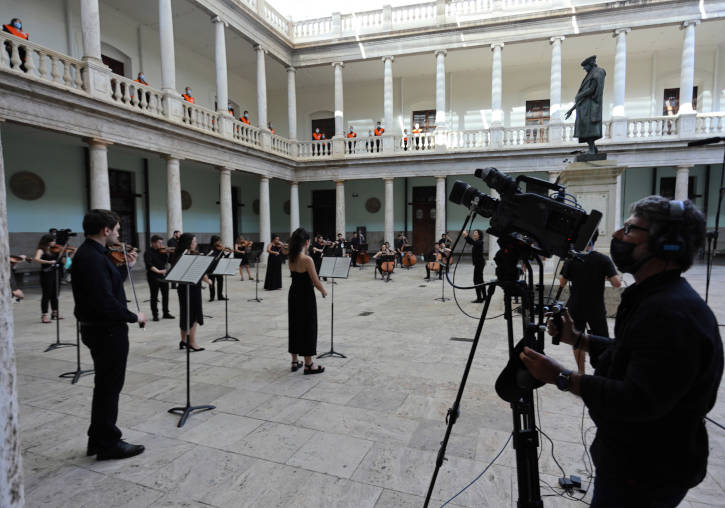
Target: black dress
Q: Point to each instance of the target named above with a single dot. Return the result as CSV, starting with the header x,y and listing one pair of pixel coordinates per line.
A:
x,y
302,312
243,256
197,315
273,278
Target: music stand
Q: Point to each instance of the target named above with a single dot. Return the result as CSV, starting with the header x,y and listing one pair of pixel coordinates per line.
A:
x,y
363,248
256,247
57,344
78,373
225,268
334,268
189,270
444,267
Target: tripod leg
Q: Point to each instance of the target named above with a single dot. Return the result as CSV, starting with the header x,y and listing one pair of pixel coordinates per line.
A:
x,y
454,411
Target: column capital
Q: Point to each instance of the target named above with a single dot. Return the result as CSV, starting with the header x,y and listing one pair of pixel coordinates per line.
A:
x,y
443,52
440,177
258,48
557,38
689,22
97,142
339,182
294,184
170,157
386,58
224,169
291,69
685,166
264,179
388,178
338,64
620,31
217,19
495,45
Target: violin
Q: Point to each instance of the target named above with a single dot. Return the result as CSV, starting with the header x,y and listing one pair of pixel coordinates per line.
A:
x,y
220,248
167,250
18,259
117,255
285,249
57,249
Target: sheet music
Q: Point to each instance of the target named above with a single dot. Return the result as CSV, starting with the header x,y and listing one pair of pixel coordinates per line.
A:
x,y
227,266
336,268
189,269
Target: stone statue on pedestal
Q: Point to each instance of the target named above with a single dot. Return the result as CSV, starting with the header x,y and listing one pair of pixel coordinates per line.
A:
x,y
588,105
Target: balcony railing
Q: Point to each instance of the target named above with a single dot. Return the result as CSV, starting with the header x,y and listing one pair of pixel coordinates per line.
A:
x,y
22,58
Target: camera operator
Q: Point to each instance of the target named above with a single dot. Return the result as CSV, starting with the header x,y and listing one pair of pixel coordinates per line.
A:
x,y
657,379
586,298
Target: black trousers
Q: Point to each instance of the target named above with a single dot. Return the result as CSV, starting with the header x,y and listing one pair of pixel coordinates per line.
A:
x,y
478,279
217,281
596,324
49,287
157,285
109,350
427,272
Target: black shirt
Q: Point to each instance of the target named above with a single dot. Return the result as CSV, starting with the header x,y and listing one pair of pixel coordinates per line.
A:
x,y
98,287
587,277
654,383
399,244
476,251
172,242
152,257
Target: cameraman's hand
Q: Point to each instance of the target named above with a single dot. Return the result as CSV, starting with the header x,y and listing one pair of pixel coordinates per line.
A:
x,y
541,366
567,333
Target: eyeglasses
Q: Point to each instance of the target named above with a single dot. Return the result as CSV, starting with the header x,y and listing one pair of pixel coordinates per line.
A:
x,y
627,228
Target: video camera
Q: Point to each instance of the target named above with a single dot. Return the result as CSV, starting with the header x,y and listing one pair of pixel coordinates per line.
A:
x,y
550,225
62,235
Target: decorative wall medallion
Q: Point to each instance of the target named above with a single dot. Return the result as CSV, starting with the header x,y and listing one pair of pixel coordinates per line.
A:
x,y
433,213
185,200
372,205
419,213
26,185
286,207
255,206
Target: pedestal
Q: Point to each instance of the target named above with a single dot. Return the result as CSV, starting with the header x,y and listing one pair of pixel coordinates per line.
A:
x,y
173,109
98,80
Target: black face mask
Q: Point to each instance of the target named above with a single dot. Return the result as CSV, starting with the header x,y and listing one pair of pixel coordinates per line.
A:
x,y
621,253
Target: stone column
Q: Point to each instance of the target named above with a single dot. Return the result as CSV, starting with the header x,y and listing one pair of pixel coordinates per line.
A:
x,y
168,60
100,188
496,102
555,129
440,206
173,196
619,121
292,102
441,89
261,88
339,102
340,207
91,30
11,467
389,232
220,56
687,69
294,206
265,233
226,223
388,93
682,181
716,80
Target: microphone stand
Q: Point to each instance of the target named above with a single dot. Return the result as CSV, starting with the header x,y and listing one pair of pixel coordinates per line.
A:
x,y
78,373
133,287
256,281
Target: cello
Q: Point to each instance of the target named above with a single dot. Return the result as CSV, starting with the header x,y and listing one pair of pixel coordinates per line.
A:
x,y
435,265
409,259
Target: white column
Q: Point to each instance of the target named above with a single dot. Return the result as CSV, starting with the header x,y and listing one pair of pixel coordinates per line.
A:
x,y
339,102
226,222
682,181
496,85
261,88
340,207
220,54
91,30
388,93
620,72
687,69
441,89
265,233
440,206
11,467
294,206
292,102
168,60
100,189
389,232
716,80
555,80
173,196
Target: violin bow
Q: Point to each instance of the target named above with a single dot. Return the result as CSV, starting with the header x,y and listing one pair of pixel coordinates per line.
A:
x,y
133,288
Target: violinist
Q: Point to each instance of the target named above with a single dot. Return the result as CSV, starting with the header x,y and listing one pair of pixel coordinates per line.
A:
x,y
400,243
187,245
445,245
217,250
385,250
434,263
317,247
156,259
354,247
49,256
339,245
100,307
273,277
479,262
241,251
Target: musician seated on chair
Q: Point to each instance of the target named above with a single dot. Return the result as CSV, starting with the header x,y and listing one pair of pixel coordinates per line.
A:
x,y
385,250
435,262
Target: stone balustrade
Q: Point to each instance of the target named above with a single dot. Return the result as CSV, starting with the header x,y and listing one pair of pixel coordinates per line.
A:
x,y
200,117
468,140
127,93
710,124
529,135
280,145
314,149
655,127
246,134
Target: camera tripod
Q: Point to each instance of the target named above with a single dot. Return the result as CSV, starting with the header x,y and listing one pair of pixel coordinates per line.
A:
x,y
516,384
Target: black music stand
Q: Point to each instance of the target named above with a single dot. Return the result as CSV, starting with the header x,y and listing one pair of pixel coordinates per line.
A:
x,y
362,248
444,268
57,344
78,373
334,268
189,270
257,249
225,268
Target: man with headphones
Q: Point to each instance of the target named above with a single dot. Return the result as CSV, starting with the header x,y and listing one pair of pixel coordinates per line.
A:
x,y
655,381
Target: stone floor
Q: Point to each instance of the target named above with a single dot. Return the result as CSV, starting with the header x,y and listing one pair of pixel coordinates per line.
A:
x,y
363,434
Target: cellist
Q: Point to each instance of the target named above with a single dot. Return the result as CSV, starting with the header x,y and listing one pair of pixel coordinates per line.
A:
x,y
385,250
435,262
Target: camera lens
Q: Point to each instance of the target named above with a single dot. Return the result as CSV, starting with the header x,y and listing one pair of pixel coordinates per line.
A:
x,y
497,180
464,194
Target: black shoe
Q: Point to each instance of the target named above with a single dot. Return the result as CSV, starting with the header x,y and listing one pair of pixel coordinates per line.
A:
x,y
477,300
426,278
92,449
182,344
168,316
222,299
211,299
195,349
156,318
121,450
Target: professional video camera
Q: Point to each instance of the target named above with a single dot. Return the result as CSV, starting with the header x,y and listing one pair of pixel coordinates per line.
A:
x,y
62,235
549,224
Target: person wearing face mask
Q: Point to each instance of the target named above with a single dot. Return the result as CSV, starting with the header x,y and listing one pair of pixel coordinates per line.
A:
x,y
187,95
351,145
141,78
15,27
317,136
655,381
245,117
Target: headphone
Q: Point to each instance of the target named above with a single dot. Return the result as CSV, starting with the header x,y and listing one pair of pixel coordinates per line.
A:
x,y
668,244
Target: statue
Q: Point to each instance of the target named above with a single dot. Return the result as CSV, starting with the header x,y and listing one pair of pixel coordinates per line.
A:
x,y
588,105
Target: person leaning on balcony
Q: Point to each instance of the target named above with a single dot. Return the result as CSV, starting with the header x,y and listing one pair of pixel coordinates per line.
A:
x,y
230,109
15,27
405,139
378,132
324,145
187,95
351,144
141,78
270,128
416,134
317,136
245,117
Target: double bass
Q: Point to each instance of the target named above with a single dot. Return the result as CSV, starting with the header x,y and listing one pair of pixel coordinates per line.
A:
x,y
409,259
435,265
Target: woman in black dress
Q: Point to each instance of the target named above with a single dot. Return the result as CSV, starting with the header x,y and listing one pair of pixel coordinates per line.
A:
x,y
48,276
302,306
240,252
273,278
187,242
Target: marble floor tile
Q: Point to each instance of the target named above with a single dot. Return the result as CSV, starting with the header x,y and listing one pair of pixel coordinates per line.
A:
x,y
332,454
220,430
276,442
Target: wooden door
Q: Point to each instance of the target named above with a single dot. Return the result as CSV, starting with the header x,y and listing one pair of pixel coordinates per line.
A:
x,y
424,221
123,202
323,213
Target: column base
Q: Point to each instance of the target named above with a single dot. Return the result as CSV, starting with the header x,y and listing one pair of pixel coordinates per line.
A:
x,y
687,124
265,138
173,109
226,125
388,143
338,147
97,79
496,132
556,133
618,130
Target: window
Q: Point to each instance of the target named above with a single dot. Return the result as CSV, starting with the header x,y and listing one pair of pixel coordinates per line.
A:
x,y
426,119
667,188
537,113
117,67
671,101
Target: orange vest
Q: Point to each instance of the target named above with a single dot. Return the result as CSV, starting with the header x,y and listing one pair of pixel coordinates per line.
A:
x,y
379,132
188,98
417,131
17,33
351,135
245,120
271,130
317,136
140,81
